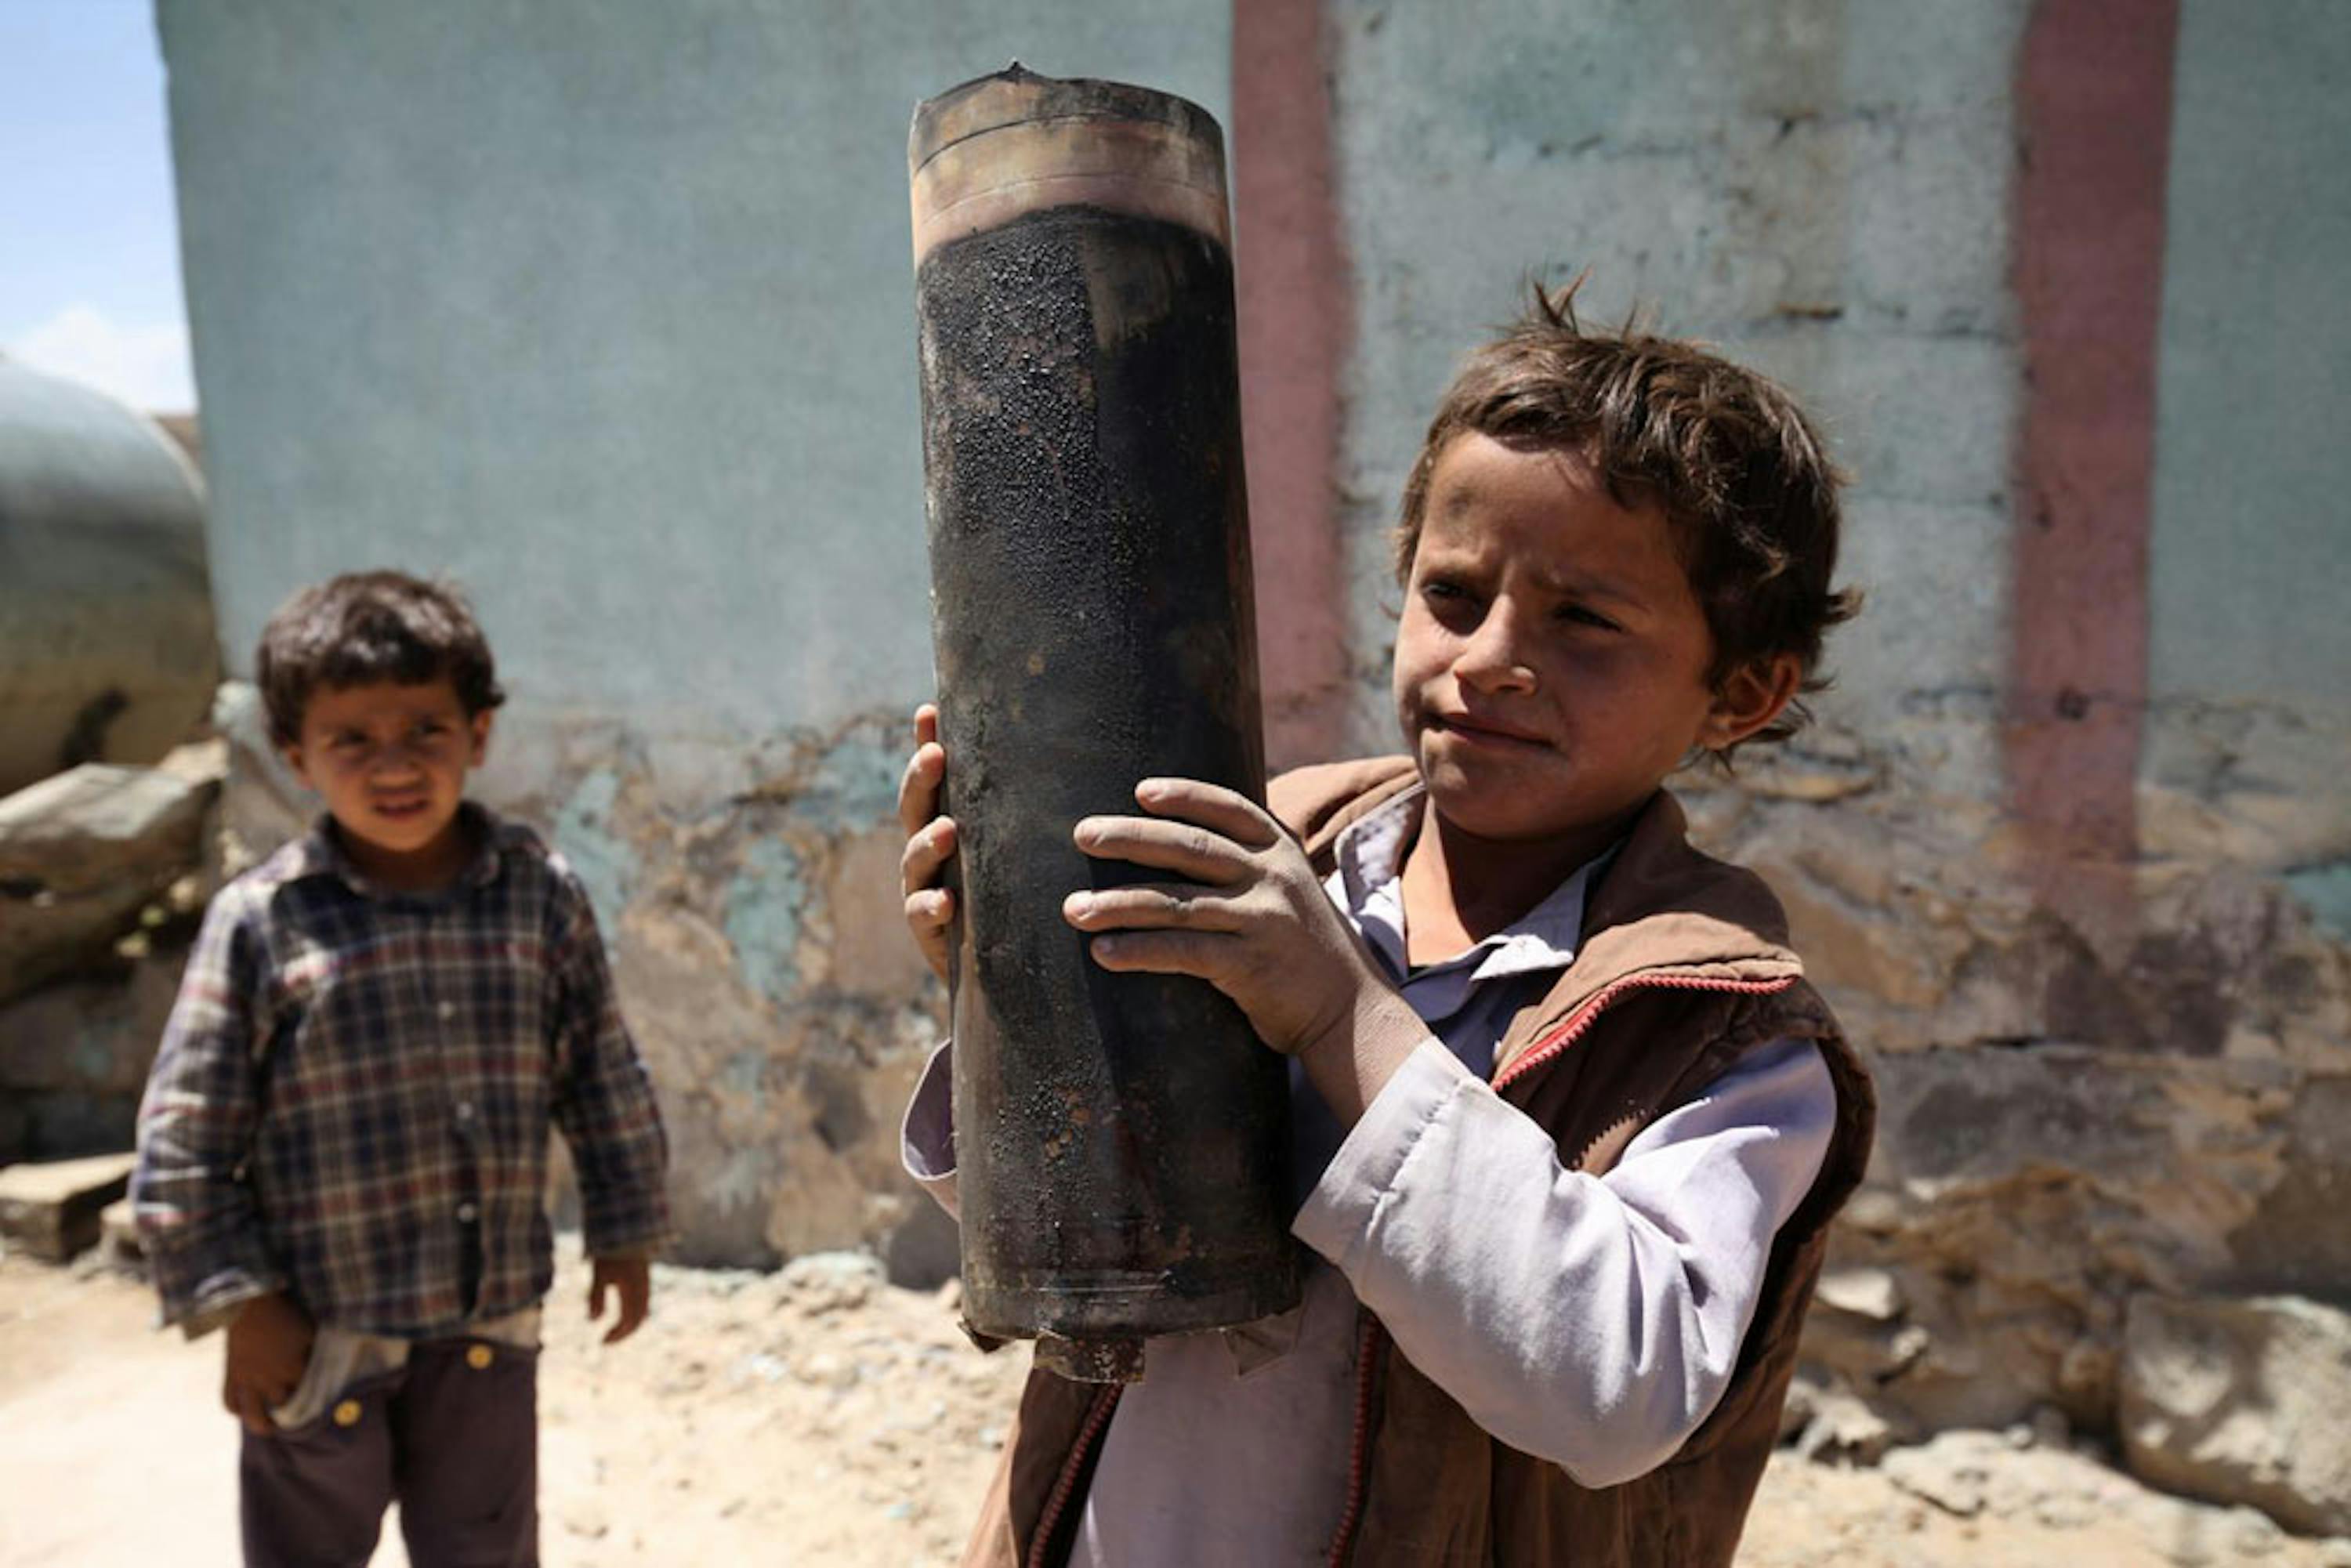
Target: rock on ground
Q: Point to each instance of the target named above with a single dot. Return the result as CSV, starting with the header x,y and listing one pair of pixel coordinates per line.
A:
x,y
51,1209
1987,1500
2243,1401
82,854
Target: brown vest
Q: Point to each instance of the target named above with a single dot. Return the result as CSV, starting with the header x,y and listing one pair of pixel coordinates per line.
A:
x,y
1684,967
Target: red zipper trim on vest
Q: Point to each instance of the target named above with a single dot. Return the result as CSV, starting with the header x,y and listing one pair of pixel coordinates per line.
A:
x,y
1543,1050
1568,1033
1367,1346
1097,1417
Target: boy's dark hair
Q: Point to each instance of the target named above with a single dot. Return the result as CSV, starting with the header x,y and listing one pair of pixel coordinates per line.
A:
x,y
369,626
1725,452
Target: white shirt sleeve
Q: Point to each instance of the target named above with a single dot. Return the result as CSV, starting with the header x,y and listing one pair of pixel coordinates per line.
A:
x,y
926,1137
1594,1321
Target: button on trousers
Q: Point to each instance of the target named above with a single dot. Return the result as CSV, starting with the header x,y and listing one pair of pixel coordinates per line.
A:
x,y
452,1436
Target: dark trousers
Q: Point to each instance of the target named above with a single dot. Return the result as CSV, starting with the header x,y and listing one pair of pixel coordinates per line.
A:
x,y
452,1435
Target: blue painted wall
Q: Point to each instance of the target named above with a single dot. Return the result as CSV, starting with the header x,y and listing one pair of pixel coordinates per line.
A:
x,y
2252,495
606,309
603,308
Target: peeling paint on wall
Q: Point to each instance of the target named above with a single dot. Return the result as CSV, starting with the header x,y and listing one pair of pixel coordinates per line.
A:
x,y
763,917
2325,892
847,780
604,861
748,893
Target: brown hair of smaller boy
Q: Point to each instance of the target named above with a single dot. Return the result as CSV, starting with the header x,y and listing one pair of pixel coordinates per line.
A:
x,y
369,626
1724,452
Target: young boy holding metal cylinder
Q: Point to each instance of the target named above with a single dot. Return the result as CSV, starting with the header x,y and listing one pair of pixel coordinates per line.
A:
x,y
1570,1123
342,1153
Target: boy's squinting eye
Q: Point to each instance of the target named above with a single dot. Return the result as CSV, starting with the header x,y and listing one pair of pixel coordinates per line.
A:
x,y
1445,590
1583,616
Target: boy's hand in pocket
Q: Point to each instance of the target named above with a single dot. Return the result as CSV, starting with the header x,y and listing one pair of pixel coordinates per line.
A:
x,y
268,1346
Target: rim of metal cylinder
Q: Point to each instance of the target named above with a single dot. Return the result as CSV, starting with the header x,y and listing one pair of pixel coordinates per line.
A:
x,y
1000,147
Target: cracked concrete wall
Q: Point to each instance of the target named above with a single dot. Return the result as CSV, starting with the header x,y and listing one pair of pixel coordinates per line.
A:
x,y
607,311
2076,1110
756,947
1821,190
746,891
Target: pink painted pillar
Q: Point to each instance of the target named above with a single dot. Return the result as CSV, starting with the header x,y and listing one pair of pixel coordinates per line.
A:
x,y
2094,103
1292,292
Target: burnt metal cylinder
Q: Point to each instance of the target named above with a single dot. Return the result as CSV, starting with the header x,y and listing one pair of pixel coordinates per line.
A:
x,y
1120,1139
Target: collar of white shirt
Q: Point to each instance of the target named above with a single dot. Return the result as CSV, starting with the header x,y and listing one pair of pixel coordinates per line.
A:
x,y
1367,883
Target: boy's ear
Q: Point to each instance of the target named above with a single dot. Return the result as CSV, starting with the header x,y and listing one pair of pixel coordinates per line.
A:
x,y
1750,697
480,726
293,758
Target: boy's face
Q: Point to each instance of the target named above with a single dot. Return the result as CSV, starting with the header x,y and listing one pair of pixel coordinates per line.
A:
x,y
1551,665
391,761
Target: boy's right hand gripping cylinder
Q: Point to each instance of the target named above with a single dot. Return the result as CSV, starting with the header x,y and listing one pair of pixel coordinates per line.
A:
x,y
1120,1139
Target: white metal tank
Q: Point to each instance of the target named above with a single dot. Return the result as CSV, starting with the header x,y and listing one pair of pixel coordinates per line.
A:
x,y
107,652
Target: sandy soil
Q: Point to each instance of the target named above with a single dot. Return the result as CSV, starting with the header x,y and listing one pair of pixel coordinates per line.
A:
x,y
820,1417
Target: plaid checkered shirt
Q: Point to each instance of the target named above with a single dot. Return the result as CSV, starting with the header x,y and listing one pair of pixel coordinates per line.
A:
x,y
352,1097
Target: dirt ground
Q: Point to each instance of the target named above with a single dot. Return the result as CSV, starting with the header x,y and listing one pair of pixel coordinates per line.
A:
x,y
818,1415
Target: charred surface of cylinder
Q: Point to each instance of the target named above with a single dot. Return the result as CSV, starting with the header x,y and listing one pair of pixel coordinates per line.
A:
x,y
1120,1139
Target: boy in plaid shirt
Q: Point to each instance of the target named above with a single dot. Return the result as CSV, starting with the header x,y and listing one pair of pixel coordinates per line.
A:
x,y
342,1151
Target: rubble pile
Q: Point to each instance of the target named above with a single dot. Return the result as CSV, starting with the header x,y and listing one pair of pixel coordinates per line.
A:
x,y
104,873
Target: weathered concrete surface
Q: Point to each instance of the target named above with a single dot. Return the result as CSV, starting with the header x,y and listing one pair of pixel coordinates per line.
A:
x,y
2250,571
748,896
2252,718
74,1053
83,852
1819,188
94,1035
2020,1197
646,386
265,804
2065,1121
2243,1401
51,1209
107,650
